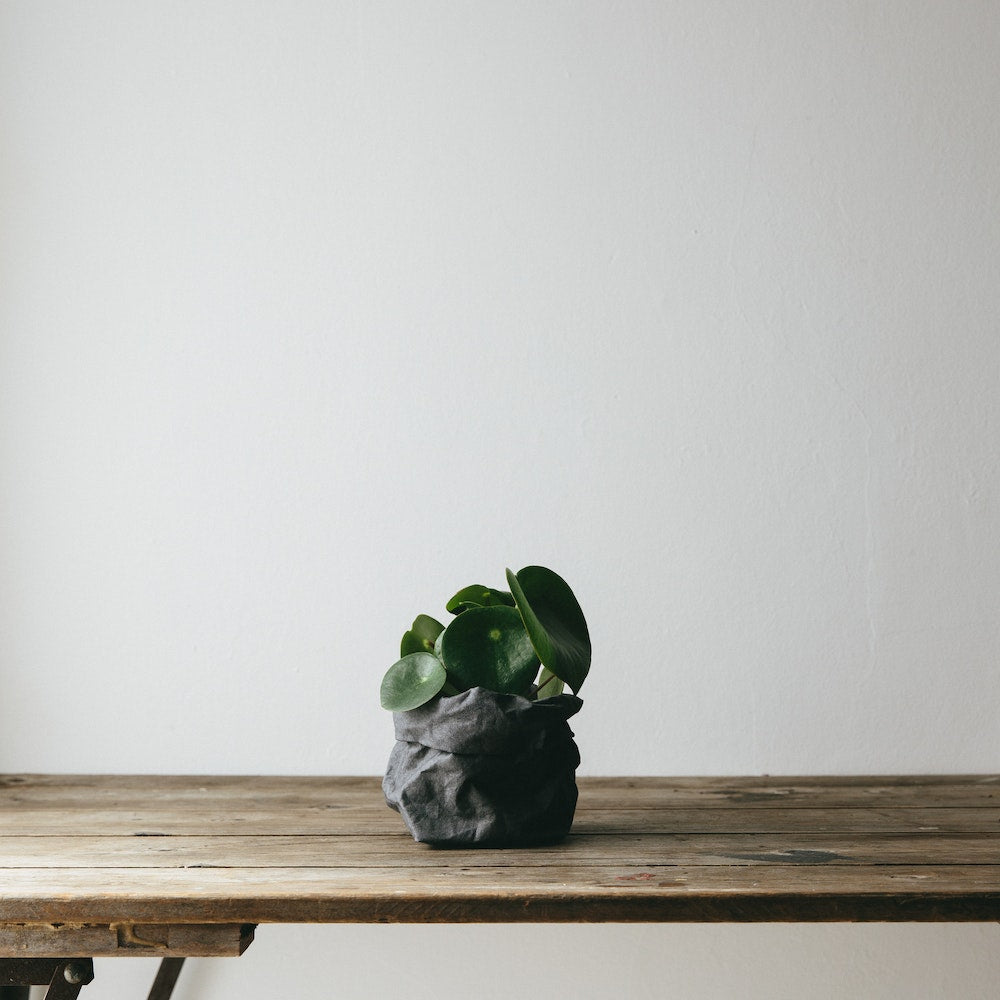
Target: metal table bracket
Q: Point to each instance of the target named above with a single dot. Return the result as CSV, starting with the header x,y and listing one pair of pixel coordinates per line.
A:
x,y
65,977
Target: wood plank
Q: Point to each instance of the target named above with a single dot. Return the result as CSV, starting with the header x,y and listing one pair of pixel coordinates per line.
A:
x,y
477,894
183,852
214,792
378,819
788,793
753,819
70,940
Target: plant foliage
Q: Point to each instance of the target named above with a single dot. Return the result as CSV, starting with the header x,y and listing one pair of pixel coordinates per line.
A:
x,y
531,641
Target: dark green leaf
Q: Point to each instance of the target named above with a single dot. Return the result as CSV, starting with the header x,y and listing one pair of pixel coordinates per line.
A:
x,y
488,647
478,596
412,681
554,622
421,635
453,685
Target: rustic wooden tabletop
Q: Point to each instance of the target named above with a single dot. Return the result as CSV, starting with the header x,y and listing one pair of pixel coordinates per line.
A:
x,y
103,865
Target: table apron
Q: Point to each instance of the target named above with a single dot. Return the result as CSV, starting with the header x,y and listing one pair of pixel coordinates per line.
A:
x,y
141,940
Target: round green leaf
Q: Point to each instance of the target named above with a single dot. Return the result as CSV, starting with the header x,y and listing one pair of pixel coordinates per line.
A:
x,y
412,681
421,635
488,647
554,622
478,596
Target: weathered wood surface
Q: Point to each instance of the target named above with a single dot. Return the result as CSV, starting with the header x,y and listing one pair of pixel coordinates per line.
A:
x,y
651,792
71,940
307,851
266,820
108,852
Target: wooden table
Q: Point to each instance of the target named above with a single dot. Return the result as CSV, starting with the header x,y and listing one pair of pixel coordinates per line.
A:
x,y
188,866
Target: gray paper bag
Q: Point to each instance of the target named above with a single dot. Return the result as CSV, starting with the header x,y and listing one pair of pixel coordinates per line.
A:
x,y
485,768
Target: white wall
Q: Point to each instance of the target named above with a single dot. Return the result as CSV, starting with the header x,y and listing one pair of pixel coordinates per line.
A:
x,y
313,312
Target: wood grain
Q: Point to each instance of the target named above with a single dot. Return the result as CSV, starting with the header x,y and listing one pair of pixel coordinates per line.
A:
x,y
70,940
102,852
398,851
562,893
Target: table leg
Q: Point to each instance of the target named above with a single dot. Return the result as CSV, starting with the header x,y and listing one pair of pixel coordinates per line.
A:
x,y
166,977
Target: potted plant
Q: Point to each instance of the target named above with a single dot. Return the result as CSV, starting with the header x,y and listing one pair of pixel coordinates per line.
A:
x,y
484,753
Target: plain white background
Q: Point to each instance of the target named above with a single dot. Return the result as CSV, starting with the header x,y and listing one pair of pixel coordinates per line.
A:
x,y
314,312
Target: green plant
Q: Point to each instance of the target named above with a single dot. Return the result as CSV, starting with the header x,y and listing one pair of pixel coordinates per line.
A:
x,y
531,640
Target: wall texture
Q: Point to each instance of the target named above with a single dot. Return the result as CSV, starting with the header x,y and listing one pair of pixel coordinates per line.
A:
x,y
313,312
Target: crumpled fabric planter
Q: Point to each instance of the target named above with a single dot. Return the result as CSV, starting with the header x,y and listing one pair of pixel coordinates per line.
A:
x,y
485,768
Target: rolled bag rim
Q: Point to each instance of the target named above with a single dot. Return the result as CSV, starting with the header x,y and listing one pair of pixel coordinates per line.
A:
x,y
504,720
